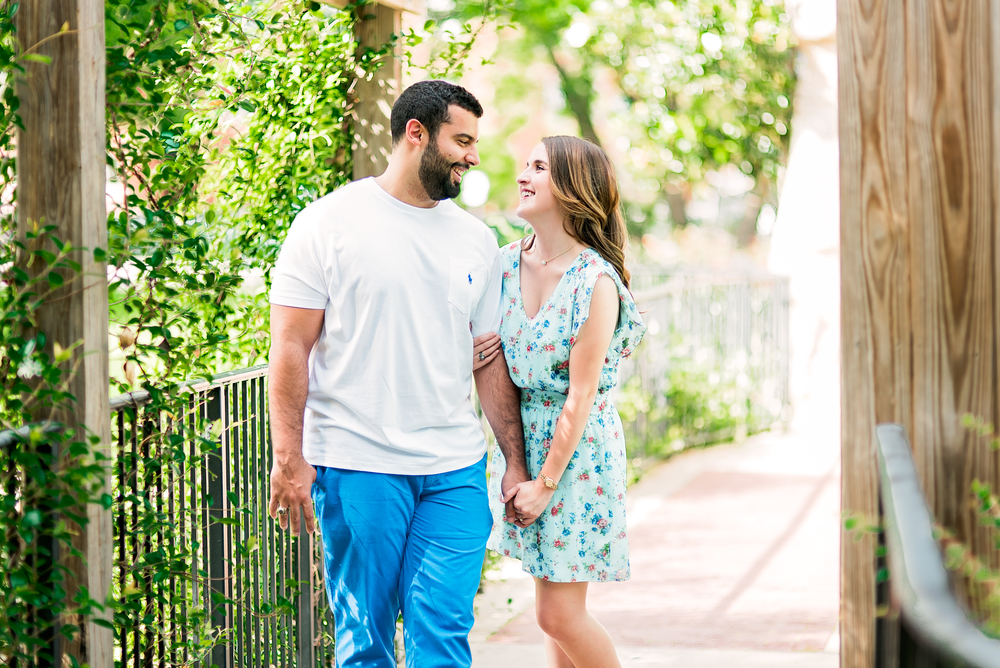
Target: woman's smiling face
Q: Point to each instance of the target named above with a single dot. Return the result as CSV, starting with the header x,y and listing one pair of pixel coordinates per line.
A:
x,y
534,187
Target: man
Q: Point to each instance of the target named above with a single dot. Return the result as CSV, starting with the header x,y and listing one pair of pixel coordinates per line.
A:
x,y
377,293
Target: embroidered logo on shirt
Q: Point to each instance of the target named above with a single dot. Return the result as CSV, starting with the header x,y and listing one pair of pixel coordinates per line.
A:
x,y
470,279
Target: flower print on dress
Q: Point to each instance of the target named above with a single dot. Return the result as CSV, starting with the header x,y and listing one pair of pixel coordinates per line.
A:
x,y
581,536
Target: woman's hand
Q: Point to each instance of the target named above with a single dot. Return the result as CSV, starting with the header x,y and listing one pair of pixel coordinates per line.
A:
x,y
485,349
531,498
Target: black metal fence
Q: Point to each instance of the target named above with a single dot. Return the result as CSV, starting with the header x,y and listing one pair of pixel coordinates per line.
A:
x,y
931,629
205,575
729,331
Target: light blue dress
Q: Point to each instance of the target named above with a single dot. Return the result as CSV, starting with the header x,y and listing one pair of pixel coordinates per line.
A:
x,y
581,535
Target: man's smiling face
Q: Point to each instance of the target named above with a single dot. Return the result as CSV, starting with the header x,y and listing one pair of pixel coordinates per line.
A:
x,y
449,155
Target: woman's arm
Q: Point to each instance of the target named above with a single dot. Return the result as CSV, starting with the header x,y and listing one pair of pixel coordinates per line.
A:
x,y
586,360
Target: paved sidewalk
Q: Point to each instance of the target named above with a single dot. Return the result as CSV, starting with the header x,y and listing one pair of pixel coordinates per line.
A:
x,y
734,564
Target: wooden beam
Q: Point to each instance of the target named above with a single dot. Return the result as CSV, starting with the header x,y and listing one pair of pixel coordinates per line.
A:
x,y
875,355
952,202
919,132
411,6
372,136
994,23
61,180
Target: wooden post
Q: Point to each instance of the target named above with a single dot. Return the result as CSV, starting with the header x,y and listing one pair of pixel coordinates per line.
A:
x,y
919,129
377,23
61,178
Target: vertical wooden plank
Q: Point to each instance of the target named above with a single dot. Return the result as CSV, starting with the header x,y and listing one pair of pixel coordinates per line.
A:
x,y
374,97
61,182
993,467
875,352
951,180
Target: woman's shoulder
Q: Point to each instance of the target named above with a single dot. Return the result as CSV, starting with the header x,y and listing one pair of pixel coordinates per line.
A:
x,y
510,255
591,266
513,248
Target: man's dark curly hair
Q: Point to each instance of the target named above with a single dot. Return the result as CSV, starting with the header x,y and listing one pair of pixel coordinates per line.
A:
x,y
428,102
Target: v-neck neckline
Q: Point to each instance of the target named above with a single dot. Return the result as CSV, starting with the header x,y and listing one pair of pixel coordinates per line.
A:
x,y
541,307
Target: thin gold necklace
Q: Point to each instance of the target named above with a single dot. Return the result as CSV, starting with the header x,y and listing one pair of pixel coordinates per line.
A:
x,y
545,262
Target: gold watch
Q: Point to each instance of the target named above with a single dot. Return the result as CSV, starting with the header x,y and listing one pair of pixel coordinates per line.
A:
x,y
547,481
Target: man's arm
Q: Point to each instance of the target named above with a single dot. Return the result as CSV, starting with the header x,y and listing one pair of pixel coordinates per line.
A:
x,y
294,331
501,401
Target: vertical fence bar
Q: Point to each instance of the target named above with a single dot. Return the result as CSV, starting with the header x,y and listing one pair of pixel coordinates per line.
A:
x,y
271,573
118,425
234,456
241,583
183,527
256,520
44,561
218,552
304,619
134,479
170,624
195,471
156,450
148,506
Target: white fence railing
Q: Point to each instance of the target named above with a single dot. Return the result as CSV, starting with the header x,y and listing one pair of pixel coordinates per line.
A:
x,y
714,363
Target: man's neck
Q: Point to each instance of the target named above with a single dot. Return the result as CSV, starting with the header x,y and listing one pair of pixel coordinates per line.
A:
x,y
403,183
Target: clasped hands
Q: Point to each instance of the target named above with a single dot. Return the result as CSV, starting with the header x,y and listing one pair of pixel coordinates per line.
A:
x,y
524,499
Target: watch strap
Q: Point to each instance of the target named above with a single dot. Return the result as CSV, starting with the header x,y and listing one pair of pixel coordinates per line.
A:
x,y
547,481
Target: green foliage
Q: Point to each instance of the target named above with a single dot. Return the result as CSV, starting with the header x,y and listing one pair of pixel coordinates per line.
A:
x,y
982,583
451,44
680,88
708,84
46,471
701,404
224,119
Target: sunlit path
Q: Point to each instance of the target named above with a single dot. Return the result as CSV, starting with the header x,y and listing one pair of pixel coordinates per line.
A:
x,y
734,562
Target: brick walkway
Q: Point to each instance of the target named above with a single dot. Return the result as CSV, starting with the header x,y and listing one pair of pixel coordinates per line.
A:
x,y
734,564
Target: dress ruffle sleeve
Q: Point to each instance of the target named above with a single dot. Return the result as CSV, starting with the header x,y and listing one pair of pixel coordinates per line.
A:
x,y
630,328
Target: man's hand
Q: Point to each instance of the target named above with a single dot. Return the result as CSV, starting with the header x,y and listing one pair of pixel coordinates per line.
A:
x,y
291,489
512,477
530,499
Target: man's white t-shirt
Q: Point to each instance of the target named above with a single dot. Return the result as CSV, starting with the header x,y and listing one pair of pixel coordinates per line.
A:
x,y
390,377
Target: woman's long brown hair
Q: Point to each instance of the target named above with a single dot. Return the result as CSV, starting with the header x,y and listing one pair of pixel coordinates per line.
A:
x,y
584,184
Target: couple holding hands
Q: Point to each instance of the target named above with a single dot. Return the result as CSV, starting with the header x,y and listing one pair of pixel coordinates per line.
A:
x,y
378,293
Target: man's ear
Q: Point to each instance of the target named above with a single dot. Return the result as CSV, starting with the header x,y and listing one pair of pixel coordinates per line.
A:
x,y
416,133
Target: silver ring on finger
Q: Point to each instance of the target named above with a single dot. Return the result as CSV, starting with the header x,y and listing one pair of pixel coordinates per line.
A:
x,y
481,357
282,511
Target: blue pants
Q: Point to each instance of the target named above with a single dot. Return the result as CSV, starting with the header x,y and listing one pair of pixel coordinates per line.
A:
x,y
402,543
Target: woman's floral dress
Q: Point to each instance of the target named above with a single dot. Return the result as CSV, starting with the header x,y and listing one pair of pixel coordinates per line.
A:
x,y
581,535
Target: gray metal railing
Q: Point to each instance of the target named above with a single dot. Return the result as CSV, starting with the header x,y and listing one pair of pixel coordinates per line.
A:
x,y
934,629
732,329
194,488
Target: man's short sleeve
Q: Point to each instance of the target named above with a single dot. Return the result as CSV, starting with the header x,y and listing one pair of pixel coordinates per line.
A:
x,y
298,279
488,311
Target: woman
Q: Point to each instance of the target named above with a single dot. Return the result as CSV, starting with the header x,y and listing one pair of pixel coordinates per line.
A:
x,y
570,318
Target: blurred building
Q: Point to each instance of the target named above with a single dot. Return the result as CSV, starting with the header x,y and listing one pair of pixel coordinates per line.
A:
x,y
805,243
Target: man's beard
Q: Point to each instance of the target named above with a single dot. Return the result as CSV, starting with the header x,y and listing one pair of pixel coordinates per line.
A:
x,y
435,174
